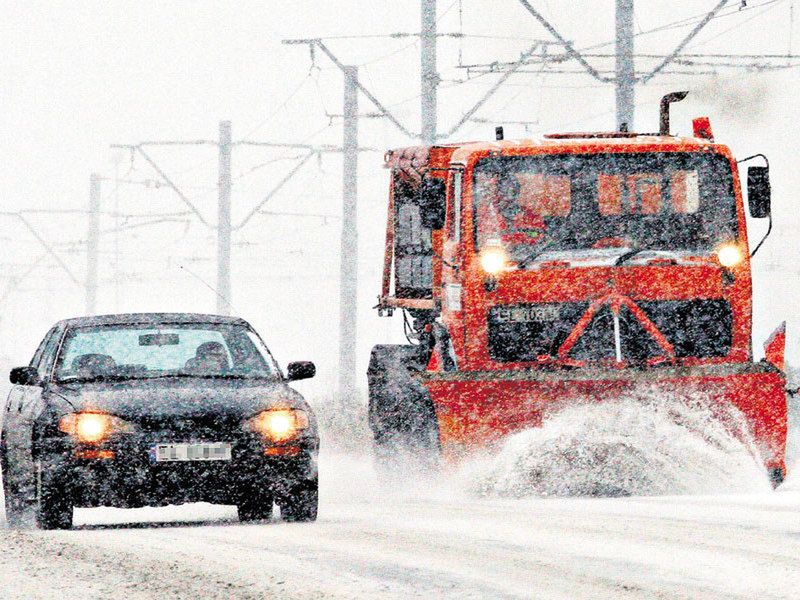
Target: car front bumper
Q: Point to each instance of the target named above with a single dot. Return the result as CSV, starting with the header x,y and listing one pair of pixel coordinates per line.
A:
x,y
124,473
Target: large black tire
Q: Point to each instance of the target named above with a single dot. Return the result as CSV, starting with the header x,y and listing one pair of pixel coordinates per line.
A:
x,y
300,502
255,505
401,414
776,476
54,509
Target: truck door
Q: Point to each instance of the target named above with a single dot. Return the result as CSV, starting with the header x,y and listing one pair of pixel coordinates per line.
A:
x,y
452,284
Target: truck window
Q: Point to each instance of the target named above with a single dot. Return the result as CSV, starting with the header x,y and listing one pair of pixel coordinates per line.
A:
x,y
661,201
545,195
413,274
644,193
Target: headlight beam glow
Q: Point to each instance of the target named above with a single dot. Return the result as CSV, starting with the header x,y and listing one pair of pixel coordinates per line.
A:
x,y
279,425
493,259
92,427
729,255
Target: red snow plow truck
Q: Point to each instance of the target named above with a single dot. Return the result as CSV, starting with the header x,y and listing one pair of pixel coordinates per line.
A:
x,y
579,267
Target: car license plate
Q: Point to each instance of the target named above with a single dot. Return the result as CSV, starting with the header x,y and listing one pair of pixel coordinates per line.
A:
x,y
191,452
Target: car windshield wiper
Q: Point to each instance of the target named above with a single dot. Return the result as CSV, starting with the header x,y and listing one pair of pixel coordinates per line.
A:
x,y
219,376
117,378
209,376
94,378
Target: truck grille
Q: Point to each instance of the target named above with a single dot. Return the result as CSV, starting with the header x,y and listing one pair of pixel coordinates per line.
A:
x,y
522,332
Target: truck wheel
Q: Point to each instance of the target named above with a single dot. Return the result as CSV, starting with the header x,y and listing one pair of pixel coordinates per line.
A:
x,y
401,414
406,453
54,509
776,476
300,502
255,505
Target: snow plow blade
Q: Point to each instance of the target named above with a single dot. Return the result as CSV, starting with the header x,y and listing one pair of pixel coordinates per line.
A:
x,y
479,409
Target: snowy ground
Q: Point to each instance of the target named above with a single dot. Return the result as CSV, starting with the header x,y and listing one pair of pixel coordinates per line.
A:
x,y
441,542
467,535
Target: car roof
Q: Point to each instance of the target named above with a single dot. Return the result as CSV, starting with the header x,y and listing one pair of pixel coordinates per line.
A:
x,y
150,318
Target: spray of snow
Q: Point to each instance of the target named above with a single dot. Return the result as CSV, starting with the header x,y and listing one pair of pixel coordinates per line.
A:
x,y
631,446
792,483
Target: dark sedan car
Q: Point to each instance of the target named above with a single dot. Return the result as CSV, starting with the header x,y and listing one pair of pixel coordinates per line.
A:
x,y
154,409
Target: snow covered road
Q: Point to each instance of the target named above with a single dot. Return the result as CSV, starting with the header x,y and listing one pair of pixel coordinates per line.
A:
x,y
436,543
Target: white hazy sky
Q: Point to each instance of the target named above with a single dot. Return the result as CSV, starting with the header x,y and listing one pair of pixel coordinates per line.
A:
x,y
78,76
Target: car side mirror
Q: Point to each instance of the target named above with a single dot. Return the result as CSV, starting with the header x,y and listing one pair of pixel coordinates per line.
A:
x,y
759,192
302,369
24,376
432,202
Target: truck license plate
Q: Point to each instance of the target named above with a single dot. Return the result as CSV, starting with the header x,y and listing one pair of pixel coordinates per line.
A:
x,y
191,452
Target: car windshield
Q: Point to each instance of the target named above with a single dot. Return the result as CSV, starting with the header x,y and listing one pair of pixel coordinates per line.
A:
x,y
138,351
677,202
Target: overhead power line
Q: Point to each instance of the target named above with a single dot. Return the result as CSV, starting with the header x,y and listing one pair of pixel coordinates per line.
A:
x,y
624,75
685,41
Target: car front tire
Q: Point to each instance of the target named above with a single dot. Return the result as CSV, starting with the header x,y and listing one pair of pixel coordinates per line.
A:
x,y
54,509
15,506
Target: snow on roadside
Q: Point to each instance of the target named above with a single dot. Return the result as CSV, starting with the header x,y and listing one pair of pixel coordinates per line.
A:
x,y
632,446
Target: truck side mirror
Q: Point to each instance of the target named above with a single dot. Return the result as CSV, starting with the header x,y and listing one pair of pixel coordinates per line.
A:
x,y
759,192
24,376
432,202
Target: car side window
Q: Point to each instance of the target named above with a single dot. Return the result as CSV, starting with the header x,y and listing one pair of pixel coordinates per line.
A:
x,y
43,358
37,356
48,358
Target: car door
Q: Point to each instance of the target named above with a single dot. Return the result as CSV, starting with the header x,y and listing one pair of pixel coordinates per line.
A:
x,y
25,405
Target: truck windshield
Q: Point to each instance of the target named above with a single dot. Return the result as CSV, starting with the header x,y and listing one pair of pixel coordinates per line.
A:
x,y
139,351
675,202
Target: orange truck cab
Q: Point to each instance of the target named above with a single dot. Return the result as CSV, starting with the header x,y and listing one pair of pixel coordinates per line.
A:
x,y
573,268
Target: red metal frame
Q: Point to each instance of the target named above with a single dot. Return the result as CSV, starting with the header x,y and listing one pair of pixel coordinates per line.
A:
x,y
616,301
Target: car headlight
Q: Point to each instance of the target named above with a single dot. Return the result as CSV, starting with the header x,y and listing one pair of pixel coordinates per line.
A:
x,y
92,427
279,424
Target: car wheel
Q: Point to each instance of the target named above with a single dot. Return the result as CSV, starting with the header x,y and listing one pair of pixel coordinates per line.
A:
x,y
14,504
300,502
255,506
54,509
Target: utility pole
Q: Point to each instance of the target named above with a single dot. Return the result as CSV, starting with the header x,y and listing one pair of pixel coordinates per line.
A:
x,y
429,78
224,227
626,76
92,243
224,221
348,294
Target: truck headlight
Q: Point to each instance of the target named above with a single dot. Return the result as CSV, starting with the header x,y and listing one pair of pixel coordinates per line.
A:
x,y
493,259
92,427
279,424
729,255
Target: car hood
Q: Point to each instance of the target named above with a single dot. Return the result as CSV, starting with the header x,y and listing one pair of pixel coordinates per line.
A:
x,y
179,398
